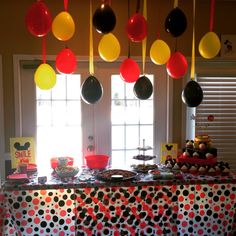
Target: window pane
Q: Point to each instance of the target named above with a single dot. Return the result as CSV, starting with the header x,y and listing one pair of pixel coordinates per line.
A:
x,y
146,116
132,112
73,113
58,112
118,112
117,88
44,117
118,137
59,91
73,87
132,137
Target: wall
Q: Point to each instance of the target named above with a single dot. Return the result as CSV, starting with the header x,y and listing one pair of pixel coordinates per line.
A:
x,y
15,39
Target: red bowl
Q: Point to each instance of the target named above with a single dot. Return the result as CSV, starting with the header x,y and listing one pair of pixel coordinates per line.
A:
x,y
97,161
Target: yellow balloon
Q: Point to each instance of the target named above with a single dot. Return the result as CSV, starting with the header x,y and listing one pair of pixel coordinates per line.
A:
x,y
160,52
45,77
209,45
63,26
109,47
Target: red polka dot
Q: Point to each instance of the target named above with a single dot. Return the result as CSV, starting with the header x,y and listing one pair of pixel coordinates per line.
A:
x,y
43,192
29,230
191,196
222,198
62,213
198,187
191,214
202,212
23,205
184,223
18,215
216,208
31,212
143,225
36,220
221,215
48,217
68,220
180,216
232,196
99,226
214,227
23,222
227,206
200,231
61,233
187,207
202,195
48,199
68,202
35,201
181,198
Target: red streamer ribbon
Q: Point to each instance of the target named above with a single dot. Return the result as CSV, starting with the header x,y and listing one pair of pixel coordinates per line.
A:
x,y
212,15
66,5
44,49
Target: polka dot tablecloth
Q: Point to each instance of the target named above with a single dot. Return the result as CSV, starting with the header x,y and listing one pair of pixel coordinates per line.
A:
x,y
185,210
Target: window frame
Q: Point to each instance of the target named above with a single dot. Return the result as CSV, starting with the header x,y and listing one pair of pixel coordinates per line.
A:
x,y
162,99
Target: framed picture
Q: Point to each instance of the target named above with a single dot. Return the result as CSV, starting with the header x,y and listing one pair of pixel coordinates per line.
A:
x,y
228,45
22,150
168,151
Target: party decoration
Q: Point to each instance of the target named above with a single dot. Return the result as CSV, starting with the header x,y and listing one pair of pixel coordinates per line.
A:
x,y
45,77
192,94
143,88
176,22
91,90
209,45
177,66
66,61
38,19
160,52
104,19
109,47
63,26
136,27
129,70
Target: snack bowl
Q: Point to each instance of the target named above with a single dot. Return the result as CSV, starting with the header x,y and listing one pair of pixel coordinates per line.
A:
x,y
60,161
97,161
66,171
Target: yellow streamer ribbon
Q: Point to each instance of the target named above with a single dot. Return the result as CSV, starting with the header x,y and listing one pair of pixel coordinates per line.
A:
x,y
192,73
91,66
144,41
175,3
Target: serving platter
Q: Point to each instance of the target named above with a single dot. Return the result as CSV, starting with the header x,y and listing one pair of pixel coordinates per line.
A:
x,y
116,175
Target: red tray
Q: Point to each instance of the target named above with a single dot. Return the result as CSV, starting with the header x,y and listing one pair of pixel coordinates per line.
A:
x,y
194,160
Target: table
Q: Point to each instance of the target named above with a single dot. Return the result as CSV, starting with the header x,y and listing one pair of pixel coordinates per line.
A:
x,y
191,205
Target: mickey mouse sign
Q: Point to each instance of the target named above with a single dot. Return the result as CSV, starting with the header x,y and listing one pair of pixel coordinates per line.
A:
x,y
168,151
22,150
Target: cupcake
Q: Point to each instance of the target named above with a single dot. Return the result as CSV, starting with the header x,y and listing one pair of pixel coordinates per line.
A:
x,y
202,170
211,171
184,168
169,165
196,155
193,170
218,170
176,167
186,154
225,171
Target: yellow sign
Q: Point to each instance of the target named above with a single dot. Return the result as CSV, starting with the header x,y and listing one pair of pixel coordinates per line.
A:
x,y
168,151
22,150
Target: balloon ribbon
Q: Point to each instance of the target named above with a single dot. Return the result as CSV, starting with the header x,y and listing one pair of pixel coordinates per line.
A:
x,y
66,5
91,66
212,14
192,73
144,42
44,49
175,3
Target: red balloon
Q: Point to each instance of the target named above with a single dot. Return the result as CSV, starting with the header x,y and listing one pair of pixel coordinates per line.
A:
x,y
38,19
66,61
129,70
177,66
136,27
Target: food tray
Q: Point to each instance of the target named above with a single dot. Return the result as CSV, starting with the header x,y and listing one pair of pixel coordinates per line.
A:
x,y
66,171
143,168
116,175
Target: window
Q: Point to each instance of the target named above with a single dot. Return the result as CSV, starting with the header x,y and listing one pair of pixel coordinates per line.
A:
x,y
218,81
65,125
132,121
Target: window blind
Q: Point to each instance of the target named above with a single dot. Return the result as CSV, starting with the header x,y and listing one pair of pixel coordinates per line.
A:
x,y
219,101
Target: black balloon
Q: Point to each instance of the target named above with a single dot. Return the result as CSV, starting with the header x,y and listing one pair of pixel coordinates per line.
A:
x,y
91,90
104,19
176,22
143,88
192,94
